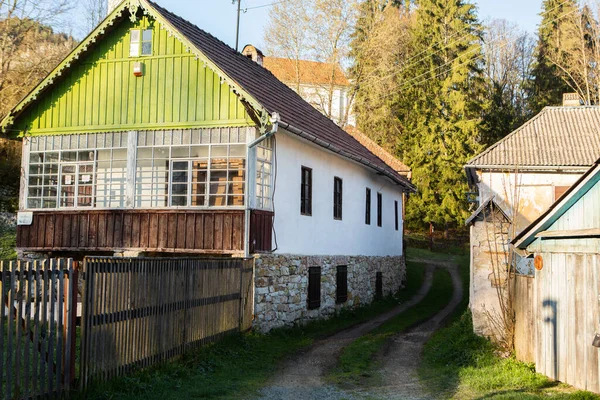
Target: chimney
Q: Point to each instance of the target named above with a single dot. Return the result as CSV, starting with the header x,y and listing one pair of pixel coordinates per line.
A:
x,y
254,54
112,4
572,100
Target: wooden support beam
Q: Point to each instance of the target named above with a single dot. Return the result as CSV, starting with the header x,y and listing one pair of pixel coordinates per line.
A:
x,y
576,233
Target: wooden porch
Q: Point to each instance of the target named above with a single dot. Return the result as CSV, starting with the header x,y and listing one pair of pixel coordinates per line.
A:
x,y
161,231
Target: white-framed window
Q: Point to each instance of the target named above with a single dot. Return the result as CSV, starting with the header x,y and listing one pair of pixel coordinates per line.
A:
x,y
179,168
264,174
140,42
73,171
192,168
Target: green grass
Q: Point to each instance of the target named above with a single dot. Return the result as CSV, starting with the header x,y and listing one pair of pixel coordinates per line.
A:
x,y
462,365
8,243
357,362
461,258
240,364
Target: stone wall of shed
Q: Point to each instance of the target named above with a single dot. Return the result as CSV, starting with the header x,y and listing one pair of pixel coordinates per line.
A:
x,y
281,286
488,248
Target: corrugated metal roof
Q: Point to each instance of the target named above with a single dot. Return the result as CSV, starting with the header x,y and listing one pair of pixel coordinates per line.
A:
x,y
556,137
276,96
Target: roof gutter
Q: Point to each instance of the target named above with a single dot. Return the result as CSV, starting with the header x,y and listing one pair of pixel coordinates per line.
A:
x,y
571,168
409,187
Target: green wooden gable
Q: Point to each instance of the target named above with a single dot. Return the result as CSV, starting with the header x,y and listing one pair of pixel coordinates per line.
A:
x,y
98,91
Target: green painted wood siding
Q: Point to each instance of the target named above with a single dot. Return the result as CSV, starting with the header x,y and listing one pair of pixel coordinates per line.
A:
x,y
100,92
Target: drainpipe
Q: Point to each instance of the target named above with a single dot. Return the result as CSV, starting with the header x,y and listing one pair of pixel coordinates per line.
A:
x,y
251,168
273,131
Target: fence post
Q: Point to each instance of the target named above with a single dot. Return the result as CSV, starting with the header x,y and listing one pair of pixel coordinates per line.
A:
x,y
241,302
85,332
70,323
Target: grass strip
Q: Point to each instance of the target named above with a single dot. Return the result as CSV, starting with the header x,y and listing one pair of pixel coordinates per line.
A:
x,y
357,361
239,365
459,364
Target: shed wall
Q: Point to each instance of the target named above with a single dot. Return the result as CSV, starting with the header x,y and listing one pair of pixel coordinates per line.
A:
x,y
566,315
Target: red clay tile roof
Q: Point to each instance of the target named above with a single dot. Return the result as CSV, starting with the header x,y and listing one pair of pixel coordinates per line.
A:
x,y
311,72
275,96
379,151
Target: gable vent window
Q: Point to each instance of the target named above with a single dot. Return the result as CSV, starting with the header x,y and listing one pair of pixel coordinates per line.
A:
x,y
341,284
306,192
368,207
314,288
140,43
379,210
337,198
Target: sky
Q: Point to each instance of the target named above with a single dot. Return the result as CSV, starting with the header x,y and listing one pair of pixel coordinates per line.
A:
x,y
219,16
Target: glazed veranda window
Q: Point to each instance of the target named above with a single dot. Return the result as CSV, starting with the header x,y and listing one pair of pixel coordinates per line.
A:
x,y
180,168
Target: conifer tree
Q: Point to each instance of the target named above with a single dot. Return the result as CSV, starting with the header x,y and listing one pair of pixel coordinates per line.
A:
x,y
547,85
381,42
441,111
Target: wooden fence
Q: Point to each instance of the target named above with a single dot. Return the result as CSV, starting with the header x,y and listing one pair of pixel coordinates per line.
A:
x,y
38,326
138,312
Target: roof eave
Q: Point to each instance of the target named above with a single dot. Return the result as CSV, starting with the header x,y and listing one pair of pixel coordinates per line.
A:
x,y
537,168
407,186
65,64
132,6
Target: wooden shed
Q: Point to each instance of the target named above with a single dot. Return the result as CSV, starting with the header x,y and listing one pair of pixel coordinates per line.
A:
x,y
564,299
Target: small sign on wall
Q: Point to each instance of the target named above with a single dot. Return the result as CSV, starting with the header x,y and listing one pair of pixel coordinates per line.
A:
x,y
538,262
24,218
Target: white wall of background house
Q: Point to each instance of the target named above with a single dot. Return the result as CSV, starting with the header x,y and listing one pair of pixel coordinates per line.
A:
x,y
321,234
536,191
319,96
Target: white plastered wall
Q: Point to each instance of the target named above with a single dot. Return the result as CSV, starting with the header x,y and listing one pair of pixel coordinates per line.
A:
x,y
321,234
534,195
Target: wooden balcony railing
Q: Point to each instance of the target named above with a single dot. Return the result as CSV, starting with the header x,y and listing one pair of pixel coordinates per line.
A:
x,y
169,231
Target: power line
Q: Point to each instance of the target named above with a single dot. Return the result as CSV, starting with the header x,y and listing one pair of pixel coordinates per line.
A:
x,y
391,75
477,57
264,5
408,84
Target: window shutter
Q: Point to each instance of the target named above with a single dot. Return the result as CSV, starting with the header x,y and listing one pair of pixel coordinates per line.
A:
x,y
314,288
379,285
396,213
368,207
341,284
379,209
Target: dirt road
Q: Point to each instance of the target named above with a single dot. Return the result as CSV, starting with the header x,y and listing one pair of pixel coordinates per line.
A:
x,y
402,357
301,378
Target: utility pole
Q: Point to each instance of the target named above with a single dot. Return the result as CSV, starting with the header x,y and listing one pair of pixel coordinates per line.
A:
x,y
237,30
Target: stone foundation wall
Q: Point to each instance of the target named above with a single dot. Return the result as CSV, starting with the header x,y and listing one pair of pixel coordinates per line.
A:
x,y
281,286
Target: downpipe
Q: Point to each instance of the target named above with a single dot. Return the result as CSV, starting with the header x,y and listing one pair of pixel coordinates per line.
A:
x,y
275,126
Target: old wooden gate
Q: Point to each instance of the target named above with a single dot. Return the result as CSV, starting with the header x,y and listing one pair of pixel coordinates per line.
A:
x,y
37,328
141,311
